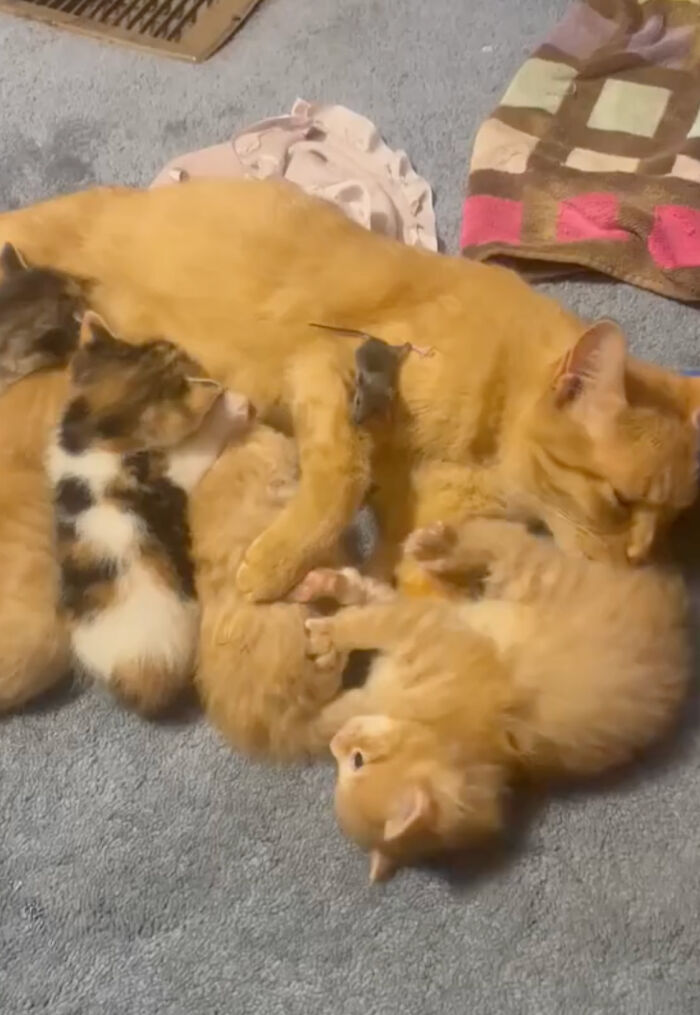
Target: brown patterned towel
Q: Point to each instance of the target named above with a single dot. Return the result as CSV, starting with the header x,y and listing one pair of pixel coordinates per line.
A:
x,y
593,157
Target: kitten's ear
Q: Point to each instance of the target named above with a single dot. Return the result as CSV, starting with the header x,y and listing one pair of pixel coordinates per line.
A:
x,y
410,809
381,867
594,367
93,331
11,261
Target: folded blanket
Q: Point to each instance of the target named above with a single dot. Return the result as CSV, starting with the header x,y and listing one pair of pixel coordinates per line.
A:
x,y
593,157
330,151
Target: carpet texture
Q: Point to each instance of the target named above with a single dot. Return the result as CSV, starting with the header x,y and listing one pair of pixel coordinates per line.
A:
x,y
145,869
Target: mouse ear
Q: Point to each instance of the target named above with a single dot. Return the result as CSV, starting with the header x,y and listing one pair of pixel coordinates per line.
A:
x,y
11,261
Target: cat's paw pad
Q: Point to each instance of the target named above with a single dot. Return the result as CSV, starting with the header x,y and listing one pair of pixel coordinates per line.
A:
x,y
431,545
319,642
321,583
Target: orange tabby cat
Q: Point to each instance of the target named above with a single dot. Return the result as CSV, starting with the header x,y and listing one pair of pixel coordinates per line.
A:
x,y
523,410
565,667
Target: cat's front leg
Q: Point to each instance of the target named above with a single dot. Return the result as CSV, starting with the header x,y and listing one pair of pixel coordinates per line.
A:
x,y
380,626
334,456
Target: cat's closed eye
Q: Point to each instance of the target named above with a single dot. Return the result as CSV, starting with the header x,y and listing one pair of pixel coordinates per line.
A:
x,y
357,760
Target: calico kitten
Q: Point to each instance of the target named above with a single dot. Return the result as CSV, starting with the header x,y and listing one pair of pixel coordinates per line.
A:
x,y
39,314
566,667
140,429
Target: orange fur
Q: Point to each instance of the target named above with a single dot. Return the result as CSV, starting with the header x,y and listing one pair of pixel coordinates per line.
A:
x,y
257,685
489,424
565,667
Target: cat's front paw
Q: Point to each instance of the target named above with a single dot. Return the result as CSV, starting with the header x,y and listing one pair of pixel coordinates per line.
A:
x,y
432,546
319,642
268,570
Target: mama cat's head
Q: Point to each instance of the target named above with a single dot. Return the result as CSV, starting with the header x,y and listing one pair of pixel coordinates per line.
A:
x,y
133,397
605,463
39,317
403,795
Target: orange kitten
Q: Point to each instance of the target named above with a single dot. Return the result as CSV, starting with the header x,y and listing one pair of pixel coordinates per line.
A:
x,y
564,667
256,683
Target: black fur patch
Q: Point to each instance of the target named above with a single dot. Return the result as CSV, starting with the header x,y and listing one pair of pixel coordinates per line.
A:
x,y
78,583
74,431
58,344
357,667
73,496
163,508
138,464
113,424
65,530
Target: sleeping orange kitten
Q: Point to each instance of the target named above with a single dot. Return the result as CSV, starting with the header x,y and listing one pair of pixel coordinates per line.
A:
x,y
564,667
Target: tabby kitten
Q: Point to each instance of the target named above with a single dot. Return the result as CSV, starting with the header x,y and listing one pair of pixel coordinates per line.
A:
x,y
566,667
139,430
39,314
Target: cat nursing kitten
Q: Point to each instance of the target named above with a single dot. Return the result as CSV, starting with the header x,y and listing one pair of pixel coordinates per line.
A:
x,y
139,430
565,667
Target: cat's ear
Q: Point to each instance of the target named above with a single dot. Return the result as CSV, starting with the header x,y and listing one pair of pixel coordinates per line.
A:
x,y
591,379
93,331
11,261
381,866
412,808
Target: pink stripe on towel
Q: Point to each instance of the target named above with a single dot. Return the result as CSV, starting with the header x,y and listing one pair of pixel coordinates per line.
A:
x,y
487,219
589,217
674,241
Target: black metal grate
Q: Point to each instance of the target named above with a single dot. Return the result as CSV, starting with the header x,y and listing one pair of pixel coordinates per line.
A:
x,y
190,29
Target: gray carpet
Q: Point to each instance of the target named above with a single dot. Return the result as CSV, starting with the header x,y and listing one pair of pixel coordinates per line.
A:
x,y
145,869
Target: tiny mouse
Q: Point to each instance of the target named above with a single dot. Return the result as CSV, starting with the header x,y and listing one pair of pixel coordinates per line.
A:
x,y
376,378
376,372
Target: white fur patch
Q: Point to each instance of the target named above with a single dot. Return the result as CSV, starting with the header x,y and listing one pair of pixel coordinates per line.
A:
x,y
97,468
189,461
110,531
147,623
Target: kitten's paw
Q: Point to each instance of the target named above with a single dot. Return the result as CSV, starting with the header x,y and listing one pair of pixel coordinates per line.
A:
x,y
268,570
319,642
432,545
321,583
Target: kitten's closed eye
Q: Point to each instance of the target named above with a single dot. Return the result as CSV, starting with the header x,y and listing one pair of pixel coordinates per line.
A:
x,y
357,760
